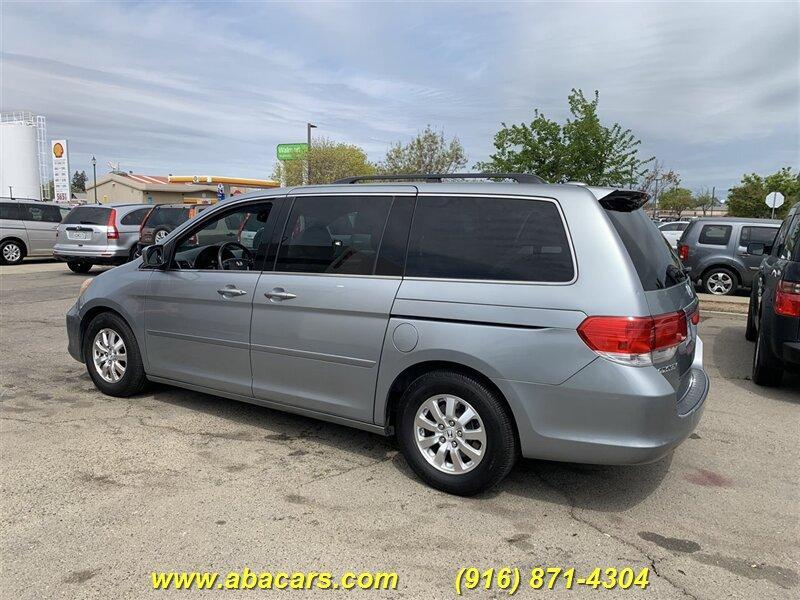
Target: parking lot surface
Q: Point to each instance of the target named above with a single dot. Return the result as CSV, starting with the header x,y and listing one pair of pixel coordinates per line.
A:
x,y
97,492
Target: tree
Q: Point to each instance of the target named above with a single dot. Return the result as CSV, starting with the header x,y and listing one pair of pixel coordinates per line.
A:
x,y
78,182
677,200
583,149
706,201
329,161
747,198
429,152
657,179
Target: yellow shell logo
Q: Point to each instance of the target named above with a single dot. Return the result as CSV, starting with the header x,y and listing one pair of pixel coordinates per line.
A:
x,y
58,150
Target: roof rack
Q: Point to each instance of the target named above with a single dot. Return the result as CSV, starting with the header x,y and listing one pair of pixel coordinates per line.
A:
x,y
438,177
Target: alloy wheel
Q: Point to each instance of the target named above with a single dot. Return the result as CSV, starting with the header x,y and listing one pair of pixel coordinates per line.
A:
x,y
719,283
12,253
109,355
450,434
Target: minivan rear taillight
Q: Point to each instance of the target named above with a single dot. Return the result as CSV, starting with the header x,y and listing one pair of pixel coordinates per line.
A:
x,y
112,233
637,341
787,299
683,252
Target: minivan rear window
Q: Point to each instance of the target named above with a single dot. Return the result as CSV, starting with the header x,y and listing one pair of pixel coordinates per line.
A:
x,y
489,238
87,215
652,257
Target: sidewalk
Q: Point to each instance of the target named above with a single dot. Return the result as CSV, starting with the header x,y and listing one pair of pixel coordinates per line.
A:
x,y
726,304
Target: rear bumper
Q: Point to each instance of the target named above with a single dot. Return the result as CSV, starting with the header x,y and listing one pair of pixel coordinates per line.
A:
x,y
107,256
607,414
74,333
791,353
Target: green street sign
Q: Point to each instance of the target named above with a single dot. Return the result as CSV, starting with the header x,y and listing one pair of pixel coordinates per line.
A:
x,y
292,151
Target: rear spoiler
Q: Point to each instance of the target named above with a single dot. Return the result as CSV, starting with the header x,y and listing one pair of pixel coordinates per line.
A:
x,y
620,200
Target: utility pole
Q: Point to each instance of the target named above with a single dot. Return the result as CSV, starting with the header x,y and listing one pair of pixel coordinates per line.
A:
x,y
94,174
713,198
655,198
309,127
11,191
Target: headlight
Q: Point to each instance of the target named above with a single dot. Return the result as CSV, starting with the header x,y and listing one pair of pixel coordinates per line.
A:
x,y
85,285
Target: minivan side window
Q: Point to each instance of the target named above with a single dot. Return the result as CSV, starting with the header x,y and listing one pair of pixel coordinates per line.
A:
x,y
489,238
45,213
715,235
10,211
333,234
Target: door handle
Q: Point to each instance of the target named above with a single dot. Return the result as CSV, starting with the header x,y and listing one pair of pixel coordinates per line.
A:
x,y
279,294
229,292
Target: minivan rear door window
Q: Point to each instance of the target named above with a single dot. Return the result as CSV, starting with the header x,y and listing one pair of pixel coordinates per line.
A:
x,y
715,235
489,238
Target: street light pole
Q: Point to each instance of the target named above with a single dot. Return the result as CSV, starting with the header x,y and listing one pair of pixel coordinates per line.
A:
x,y
94,174
309,127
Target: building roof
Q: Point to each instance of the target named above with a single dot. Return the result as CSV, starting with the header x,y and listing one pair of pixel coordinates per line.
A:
x,y
150,183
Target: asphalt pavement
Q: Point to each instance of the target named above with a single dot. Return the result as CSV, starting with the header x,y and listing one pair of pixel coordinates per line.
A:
x,y
97,492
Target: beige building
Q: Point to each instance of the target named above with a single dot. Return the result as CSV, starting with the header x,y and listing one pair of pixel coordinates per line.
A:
x,y
125,188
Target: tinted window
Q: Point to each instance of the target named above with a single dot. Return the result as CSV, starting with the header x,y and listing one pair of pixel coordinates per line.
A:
x,y
135,217
792,241
169,216
87,215
715,235
653,259
489,239
41,212
392,255
9,210
764,235
333,234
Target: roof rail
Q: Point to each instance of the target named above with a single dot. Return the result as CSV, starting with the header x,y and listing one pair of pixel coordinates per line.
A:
x,y
438,177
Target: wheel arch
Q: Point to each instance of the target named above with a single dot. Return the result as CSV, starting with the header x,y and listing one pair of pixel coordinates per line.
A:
x,y
20,241
413,372
98,310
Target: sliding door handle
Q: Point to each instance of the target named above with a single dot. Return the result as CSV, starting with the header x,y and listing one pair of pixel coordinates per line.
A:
x,y
279,294
230,292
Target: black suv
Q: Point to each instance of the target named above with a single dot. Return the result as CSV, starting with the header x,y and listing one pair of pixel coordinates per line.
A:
x,y
773,319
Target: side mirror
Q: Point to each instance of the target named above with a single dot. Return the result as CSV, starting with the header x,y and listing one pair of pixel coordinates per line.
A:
x,y
154,257
756,248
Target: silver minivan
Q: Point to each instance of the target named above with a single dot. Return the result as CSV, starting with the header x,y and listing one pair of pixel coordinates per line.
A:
x,y
474,322
95,234
28,228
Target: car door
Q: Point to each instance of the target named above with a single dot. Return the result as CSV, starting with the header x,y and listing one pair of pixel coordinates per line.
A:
x,y
774,264
764,235
197,316
41,222
319,318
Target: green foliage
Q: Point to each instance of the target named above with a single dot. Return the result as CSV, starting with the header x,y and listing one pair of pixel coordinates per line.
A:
x,y
78,182
429,152
677,200
747,198
329,161
583,149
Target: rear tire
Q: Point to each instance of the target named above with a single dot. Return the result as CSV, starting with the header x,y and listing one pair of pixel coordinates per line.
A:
x,y
751,331
79,266
134,253
720,282
11,252
132,379
494,458
767,369
159,235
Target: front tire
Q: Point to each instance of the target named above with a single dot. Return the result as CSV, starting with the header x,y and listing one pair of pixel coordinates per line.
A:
x,y
112,356
456,433
720,282
11,252
767,370
79,266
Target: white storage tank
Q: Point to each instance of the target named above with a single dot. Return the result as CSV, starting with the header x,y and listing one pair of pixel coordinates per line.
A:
x,y
19,158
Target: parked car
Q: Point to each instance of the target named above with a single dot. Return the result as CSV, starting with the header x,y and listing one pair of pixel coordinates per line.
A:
x,y
475,322
162,219
713,251
27,228
672,231
773,317
94,234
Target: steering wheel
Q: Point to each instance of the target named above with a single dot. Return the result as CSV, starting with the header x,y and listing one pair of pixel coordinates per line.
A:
x,y
233,263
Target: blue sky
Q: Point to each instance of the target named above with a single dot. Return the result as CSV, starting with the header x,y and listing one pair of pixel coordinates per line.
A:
x,y
711,89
